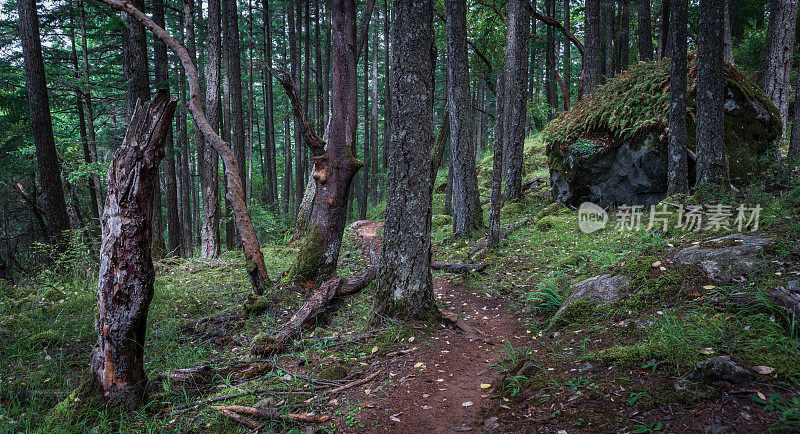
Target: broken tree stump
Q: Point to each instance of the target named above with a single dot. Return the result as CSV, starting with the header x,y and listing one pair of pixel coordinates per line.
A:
x,y
125,283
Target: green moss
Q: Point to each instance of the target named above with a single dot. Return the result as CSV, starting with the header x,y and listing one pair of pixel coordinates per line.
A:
x,y
442,220
546,223
334,372
276,300
554,209
310,258
77,411
626,355
512,208
263,344
46,338
578,312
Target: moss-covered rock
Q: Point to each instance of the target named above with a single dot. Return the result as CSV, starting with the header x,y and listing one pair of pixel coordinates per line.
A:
x,y
546,223
611,147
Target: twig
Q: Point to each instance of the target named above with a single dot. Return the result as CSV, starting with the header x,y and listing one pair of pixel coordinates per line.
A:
x,y
356,383
244,420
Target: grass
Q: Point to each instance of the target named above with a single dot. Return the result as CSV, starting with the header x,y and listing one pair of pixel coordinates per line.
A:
x,y
667,321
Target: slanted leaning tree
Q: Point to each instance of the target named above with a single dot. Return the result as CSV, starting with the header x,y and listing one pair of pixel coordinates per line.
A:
x,y
259,278
405,285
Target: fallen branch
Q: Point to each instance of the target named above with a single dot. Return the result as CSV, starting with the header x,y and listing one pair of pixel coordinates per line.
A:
x,y
783,300
269,413
195,404
315,305
454,267
244,420
356,383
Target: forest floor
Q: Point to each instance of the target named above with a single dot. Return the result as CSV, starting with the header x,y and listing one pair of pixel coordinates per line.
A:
x,y
509,364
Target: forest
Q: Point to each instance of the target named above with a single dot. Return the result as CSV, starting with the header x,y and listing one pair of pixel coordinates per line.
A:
x,y
400,216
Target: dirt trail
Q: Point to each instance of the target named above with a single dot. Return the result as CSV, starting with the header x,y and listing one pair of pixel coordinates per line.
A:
x,y
431,389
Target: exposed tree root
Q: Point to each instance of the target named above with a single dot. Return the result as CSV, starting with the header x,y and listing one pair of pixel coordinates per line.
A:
x,y
266,413
455,267
315,305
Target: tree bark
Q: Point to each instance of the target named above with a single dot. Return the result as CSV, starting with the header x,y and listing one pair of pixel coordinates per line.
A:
x,y
125,283
664,31
644,32
174,229
794,144
186,183
87,99
516,76
550,60
728,56
209,161
608,22
493,235
567,61
336,164
373,127
623,35
231,31
252,251
776,69
363,194
677,165
270,150
710,94
405,286
47,163
592,66
467,213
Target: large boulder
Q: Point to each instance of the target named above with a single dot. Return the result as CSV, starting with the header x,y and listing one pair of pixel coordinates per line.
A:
x,y
605,288
611,147
726,258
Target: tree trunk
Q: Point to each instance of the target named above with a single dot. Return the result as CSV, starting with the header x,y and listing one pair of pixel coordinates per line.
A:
x,y
405,287
645,35
231,31
336,164
608,21
567,61
794,144
295,34
776,69
728,56
270,150
592,67
624,34
710,94
550,60
87,93
387,103
252,251
209,161
287,168
467,213
48,165
363,194
677,165
664,30
125,283
186,184
516,76
493,235
373,127
82,125
174,229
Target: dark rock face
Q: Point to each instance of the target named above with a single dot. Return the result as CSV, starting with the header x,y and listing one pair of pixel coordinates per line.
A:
x,y
609,167
631,173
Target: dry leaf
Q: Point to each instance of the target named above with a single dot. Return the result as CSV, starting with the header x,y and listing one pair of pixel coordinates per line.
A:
x,y
374,349
467,404
656,264
485,385
419,365
761,395
764,370
709,286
